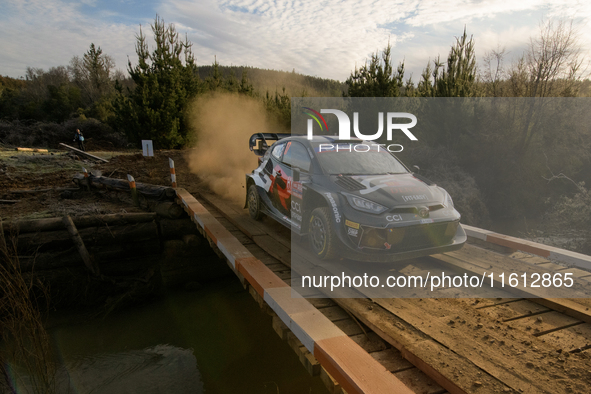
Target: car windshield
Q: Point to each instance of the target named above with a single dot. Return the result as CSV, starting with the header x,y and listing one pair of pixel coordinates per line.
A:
x,y
357,158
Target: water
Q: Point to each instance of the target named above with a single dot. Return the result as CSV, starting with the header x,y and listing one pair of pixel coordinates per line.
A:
x,y
214,340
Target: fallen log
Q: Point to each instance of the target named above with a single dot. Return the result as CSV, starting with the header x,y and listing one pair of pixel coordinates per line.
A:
x,y
32,150
88,261
152,192
169,210
69,256
53,224
8,201
93,237
33,191
79,152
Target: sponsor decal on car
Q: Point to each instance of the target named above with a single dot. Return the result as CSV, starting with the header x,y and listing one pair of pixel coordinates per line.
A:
x,y
425,221
296,189
352,224
414,197
352,232
394,218
335,209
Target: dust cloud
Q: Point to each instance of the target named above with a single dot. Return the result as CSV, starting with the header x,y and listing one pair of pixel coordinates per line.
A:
x,y
223,123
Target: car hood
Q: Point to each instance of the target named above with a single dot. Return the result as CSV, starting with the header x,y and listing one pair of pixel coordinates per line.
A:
x,y
391,190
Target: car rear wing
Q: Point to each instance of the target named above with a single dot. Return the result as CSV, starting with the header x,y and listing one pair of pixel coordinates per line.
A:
x,y
260,142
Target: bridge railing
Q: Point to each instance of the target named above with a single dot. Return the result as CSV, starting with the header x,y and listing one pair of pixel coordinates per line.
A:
x,y
574,259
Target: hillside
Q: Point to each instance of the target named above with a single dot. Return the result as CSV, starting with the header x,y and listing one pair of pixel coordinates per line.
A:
x,y
295,84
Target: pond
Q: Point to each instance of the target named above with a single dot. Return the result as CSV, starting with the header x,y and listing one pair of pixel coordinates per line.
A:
x,y
213,340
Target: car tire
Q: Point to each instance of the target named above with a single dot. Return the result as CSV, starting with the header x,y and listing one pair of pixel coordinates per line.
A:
x,y
254,203
321,234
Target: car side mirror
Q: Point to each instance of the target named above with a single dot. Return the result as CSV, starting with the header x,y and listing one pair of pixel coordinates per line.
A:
x,y
416,168
296,174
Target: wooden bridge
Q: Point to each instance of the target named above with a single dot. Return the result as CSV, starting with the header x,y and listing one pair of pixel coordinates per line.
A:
x,y
413,345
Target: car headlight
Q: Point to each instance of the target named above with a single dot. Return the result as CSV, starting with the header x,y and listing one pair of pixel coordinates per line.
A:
x,y
448,202
362,204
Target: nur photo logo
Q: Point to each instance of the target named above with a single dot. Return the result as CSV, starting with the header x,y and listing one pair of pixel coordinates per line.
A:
x,y
391,119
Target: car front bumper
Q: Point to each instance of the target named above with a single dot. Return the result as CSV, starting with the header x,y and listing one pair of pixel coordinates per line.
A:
x,y
374,244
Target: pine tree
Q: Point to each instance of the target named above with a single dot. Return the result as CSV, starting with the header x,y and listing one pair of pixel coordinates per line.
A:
x,y
245,85
165,81
377,78
458,80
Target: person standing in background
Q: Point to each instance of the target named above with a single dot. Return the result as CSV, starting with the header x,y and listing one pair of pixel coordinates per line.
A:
x,y
80,139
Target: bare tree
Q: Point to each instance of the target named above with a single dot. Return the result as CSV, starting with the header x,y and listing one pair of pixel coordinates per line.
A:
x,y
552,65
92,73
38,81
494,72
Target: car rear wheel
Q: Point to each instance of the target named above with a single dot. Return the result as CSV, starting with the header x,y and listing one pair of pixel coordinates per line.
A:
x,y
321,234
254,203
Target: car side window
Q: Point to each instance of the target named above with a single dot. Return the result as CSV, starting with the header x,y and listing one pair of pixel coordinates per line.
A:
x,y
278,151
297,156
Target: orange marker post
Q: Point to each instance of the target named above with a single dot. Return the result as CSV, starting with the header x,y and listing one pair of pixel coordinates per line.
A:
x,y
172,172
134,194
86,178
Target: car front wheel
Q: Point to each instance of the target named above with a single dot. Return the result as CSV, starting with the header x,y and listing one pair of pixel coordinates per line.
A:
x,y
254,203
321,234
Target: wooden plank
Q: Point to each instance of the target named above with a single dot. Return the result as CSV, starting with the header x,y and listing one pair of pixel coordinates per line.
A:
x,y
334,313
567,306
512,310
262,255
280,328
478,340
40,150
529,258
306,358
576,272
79,152
544,323
331,384
356,371
285,274
480,303
550,252
240,236
370,342
570,339
471,263
418,382
320,303
250,227
417,348
277,267
552,266
238,219
392,360
350,327
275,249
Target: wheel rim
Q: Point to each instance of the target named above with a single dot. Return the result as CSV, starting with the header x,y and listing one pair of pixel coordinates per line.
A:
x,y
252,203
318,234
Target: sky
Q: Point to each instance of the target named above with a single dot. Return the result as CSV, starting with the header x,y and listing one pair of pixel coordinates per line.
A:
x,y
324,38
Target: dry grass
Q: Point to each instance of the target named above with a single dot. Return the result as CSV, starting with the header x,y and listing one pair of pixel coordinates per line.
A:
x,y
26,363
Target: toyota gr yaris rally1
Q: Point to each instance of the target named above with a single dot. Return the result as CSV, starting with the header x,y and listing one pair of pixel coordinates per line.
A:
x,y
352,199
